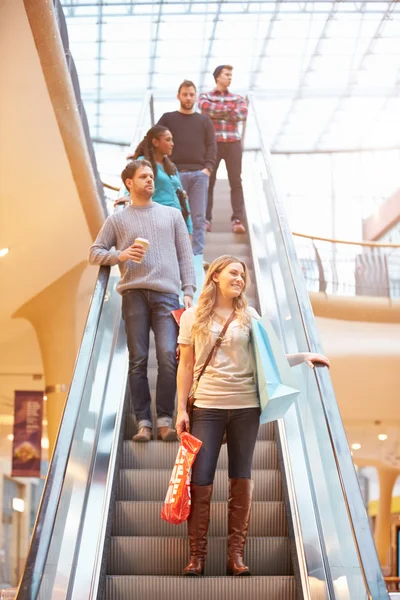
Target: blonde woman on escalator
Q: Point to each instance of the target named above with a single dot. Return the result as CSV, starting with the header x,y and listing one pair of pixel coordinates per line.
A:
x,y
225,401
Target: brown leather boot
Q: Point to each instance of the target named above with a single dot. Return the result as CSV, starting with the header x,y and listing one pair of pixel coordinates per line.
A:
x,y
239,507
198,527
145,434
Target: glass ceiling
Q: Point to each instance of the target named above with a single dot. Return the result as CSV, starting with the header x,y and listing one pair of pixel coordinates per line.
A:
x,y
327,73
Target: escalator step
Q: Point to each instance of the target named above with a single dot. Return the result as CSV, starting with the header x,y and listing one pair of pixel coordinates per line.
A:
x,y
136,484
200,588
143,519
218,246
168,556
161,455
266,432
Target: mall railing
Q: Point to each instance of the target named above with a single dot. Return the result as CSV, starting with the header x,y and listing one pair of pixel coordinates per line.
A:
x,y
66,549
349,268
334,544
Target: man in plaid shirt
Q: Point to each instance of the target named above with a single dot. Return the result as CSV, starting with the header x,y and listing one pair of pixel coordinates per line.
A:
x,y
226,110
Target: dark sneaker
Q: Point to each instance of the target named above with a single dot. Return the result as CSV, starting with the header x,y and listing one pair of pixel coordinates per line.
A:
x,y
238,227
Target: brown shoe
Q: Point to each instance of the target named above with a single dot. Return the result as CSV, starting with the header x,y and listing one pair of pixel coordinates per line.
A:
x,y
238,227
208,226
145,434
166,434
198,528
239,507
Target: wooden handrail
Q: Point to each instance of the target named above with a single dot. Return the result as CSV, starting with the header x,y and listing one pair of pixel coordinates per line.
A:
x,y
332,241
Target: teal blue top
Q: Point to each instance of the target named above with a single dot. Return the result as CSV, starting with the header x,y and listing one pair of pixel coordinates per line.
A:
x,y
165,187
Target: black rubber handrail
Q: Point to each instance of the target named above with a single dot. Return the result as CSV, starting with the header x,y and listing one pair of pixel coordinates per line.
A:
x,y
358,518
43,530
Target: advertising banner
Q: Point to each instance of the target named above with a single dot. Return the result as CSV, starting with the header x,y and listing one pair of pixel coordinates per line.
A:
x,y
27,443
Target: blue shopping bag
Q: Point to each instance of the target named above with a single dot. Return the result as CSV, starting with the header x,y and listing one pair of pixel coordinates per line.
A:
x,y
275,381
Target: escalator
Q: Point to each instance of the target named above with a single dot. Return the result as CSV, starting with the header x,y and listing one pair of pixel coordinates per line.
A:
x,y
98,533
147,554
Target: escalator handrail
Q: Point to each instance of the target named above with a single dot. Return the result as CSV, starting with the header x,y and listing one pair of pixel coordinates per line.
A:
x,y
42,533
358,518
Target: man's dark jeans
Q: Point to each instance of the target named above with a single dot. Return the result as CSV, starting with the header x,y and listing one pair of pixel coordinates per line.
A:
x,y
142,310
209,425
231,153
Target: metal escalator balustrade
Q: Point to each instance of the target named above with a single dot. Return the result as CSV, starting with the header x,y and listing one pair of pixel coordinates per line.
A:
x,y
337,556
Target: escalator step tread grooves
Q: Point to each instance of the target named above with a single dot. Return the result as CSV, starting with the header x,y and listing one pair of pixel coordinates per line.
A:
x,y
266,432
160,455
134,484
167,555
143,519
204,588
147,554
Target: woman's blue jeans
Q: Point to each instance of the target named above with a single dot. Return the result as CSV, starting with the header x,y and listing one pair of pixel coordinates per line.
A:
x,y
209,425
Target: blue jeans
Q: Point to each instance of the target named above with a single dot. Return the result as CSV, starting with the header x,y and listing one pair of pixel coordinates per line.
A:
x,y
142,310
195,184
209,425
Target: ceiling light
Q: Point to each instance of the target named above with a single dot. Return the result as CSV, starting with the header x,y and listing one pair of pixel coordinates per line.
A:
x,y
3,252
44,398
18,504
10,437
45,443
356,446
382,437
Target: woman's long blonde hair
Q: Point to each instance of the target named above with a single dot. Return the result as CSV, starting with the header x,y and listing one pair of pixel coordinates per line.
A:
x,y
208,296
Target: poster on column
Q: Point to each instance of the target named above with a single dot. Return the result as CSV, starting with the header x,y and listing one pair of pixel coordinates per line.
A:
x,y
27,443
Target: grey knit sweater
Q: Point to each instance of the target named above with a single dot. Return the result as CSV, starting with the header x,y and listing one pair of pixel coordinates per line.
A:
x,y
168,260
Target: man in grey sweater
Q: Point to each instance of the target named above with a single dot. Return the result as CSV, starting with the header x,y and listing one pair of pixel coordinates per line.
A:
x,y
150,286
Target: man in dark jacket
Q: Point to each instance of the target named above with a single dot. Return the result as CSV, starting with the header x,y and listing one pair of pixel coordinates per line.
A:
x,y
194,154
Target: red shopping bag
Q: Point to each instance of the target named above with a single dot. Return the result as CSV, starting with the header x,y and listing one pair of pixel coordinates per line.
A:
x,y
176,508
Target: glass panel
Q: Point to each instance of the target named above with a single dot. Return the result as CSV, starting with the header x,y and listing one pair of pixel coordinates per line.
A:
x,y
71,510
335,493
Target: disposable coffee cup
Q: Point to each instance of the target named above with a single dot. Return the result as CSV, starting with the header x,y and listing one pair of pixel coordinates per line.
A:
x,y
144,243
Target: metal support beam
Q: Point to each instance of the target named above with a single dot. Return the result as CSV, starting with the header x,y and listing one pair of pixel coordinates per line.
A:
x,y
99,66
207,57
305,72
325,6
354,70
263,53
153,55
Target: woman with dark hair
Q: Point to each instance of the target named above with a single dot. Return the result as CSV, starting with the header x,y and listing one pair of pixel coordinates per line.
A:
x,y
225,401
156,147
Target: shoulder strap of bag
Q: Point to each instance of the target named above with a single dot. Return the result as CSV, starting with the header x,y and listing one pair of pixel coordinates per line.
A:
x,y
216,345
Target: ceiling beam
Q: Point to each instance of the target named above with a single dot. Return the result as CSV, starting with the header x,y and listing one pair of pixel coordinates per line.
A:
x,y
155,38
263,53
268,6
99,87
206,62
306,70
354,70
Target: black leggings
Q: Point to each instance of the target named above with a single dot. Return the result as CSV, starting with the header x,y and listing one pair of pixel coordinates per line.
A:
x,y
209,425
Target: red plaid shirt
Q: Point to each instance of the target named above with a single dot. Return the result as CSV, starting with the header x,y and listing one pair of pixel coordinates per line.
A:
x,y
225,110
